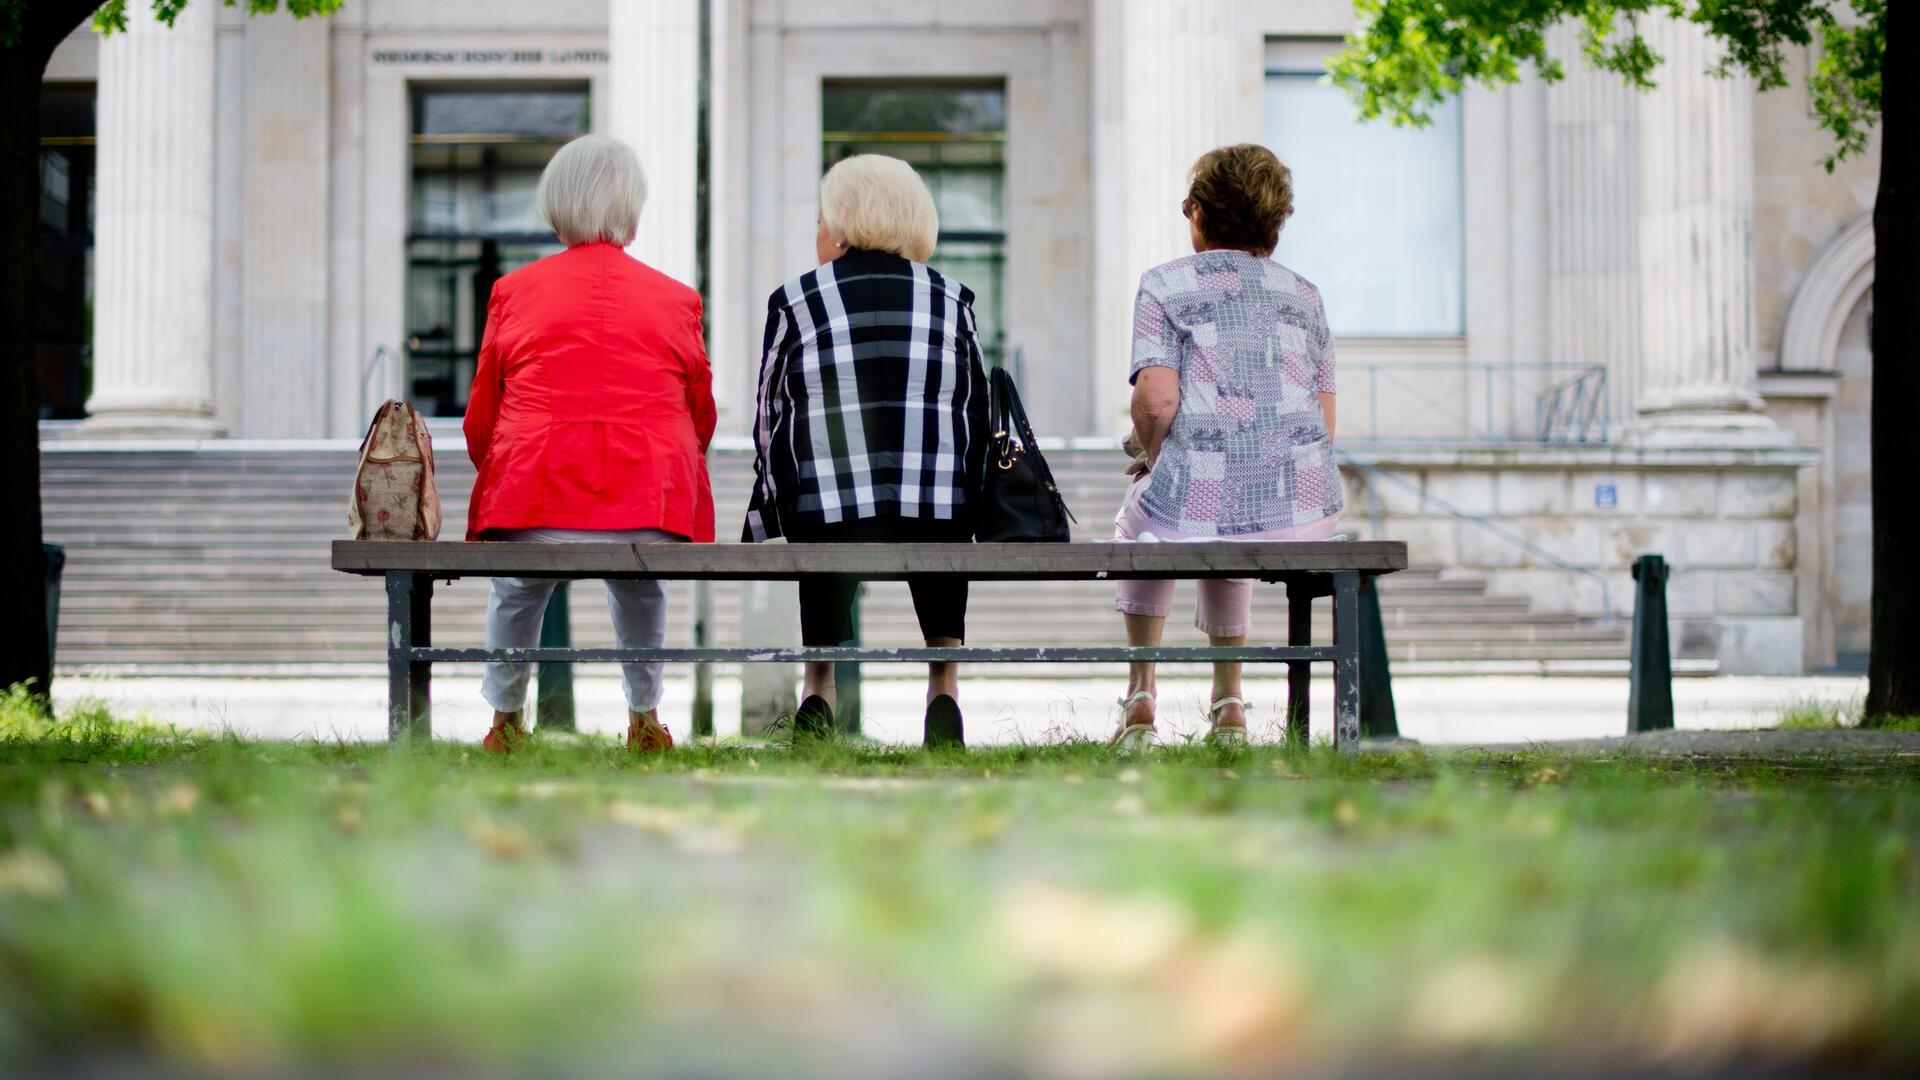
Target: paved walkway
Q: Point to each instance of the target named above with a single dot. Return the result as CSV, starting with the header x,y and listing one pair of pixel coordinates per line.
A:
x,y
1738,744
1438,711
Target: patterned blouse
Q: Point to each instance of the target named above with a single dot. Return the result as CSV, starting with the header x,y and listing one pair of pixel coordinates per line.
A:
x,y
1249,450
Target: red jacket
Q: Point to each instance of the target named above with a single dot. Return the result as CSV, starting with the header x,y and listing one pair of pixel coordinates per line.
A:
x,y
592,406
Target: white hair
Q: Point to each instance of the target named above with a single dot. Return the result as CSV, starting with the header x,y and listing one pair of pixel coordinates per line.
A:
x,y
880,204
593,189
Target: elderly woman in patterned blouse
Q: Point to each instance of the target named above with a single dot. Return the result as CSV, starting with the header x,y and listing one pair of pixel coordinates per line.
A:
x,y
1233,405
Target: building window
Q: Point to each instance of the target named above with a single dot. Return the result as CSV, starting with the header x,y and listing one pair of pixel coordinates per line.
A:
x,y
63,302
1377,219
477,158
955,136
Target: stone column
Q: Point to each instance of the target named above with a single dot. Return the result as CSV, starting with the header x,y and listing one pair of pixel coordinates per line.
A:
x,y
653,84
153,310
284,354
1697,380
1594,221
1165,90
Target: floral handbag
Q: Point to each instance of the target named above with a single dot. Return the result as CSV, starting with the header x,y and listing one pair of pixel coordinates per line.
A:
x,y
394,497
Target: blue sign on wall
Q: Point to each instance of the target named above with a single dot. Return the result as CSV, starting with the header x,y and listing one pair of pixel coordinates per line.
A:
x,y
1606,496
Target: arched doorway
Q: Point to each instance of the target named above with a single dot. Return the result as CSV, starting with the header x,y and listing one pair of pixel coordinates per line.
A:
x,y
1852,574
1826,330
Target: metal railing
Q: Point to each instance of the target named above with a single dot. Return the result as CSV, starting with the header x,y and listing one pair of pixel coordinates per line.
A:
x,y
1573,410
379,362
1375,474
1470,401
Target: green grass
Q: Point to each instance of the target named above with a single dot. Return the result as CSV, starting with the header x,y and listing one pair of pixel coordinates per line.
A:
x,y
1814,714
202,902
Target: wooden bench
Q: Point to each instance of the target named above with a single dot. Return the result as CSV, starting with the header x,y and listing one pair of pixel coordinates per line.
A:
x,y
1307,569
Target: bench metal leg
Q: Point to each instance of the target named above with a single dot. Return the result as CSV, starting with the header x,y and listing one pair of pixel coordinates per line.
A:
x,y
1346,664
409,624
1299,672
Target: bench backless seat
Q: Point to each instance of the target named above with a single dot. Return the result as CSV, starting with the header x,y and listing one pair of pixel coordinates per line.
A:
x,y
1307,569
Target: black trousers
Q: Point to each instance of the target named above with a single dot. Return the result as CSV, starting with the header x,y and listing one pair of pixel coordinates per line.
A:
x,y
826,602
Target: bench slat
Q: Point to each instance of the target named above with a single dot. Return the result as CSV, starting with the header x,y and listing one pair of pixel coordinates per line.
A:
x,y
969,654
772,562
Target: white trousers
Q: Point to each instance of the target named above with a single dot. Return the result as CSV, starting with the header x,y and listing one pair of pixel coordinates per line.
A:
x,y
516,607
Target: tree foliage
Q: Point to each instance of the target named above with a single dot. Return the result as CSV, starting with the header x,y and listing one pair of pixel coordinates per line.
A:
x,y
112,15
1408,56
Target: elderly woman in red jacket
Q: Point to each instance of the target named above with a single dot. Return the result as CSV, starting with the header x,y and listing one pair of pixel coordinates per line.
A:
x,y
591,412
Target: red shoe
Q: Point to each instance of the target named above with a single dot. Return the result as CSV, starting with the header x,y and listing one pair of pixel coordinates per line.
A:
x,y
507,734
646,734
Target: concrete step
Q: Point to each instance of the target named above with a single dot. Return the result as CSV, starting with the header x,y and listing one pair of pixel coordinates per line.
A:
x,y
220,556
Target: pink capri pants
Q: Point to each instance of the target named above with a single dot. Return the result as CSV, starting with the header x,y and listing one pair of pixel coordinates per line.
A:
x,y
1225,608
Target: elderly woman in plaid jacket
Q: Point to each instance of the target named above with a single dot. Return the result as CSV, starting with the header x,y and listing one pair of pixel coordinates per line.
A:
x,y
872,415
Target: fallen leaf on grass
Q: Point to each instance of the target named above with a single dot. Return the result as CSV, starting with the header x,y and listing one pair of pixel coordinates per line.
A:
x,y
31,873
97,804
1234,1004
1218,1003
500,841
1468,1004
1345,814
1722,1001
688,834
1543,776
178,801
1076,936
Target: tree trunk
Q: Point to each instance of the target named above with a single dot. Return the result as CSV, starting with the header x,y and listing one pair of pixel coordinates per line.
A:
x,y
23,619
1893,673
23,623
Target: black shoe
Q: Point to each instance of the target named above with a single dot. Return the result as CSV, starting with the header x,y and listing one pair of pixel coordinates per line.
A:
x,y
945,725
814,718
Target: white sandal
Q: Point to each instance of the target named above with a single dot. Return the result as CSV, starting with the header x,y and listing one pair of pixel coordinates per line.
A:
x,y
1133,737
1230,735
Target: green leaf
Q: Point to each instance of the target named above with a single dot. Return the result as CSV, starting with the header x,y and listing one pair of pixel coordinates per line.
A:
x,y
1409,56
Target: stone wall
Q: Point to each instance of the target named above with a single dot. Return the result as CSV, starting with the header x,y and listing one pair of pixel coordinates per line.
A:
x,y
1724,519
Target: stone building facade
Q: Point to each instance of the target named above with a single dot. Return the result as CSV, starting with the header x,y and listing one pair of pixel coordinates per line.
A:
x,y
1575,323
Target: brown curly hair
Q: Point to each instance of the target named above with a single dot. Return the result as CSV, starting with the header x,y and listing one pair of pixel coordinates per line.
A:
x,y
1244,194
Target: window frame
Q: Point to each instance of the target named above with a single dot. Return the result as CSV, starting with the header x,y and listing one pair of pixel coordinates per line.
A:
x,y
1286,57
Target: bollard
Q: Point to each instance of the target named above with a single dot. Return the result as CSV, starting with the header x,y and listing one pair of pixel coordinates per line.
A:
x,y
553,708
703,672
56,561
1377,716
1650,693
846,678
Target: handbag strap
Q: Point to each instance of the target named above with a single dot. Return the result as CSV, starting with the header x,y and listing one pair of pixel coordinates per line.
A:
x,y
997,391
1018,414
367,443
1012,415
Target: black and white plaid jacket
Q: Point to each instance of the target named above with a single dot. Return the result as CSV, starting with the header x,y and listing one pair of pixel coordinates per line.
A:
x,y
873,397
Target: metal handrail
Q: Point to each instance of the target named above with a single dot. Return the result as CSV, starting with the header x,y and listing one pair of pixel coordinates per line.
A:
x,y
1572,410
381,357
1375,474
1578,391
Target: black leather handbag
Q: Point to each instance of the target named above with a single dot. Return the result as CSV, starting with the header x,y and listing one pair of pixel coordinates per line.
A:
x,y
1019,501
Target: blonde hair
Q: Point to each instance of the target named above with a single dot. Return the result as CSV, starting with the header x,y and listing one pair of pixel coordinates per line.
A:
x,y
593,189
880,204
